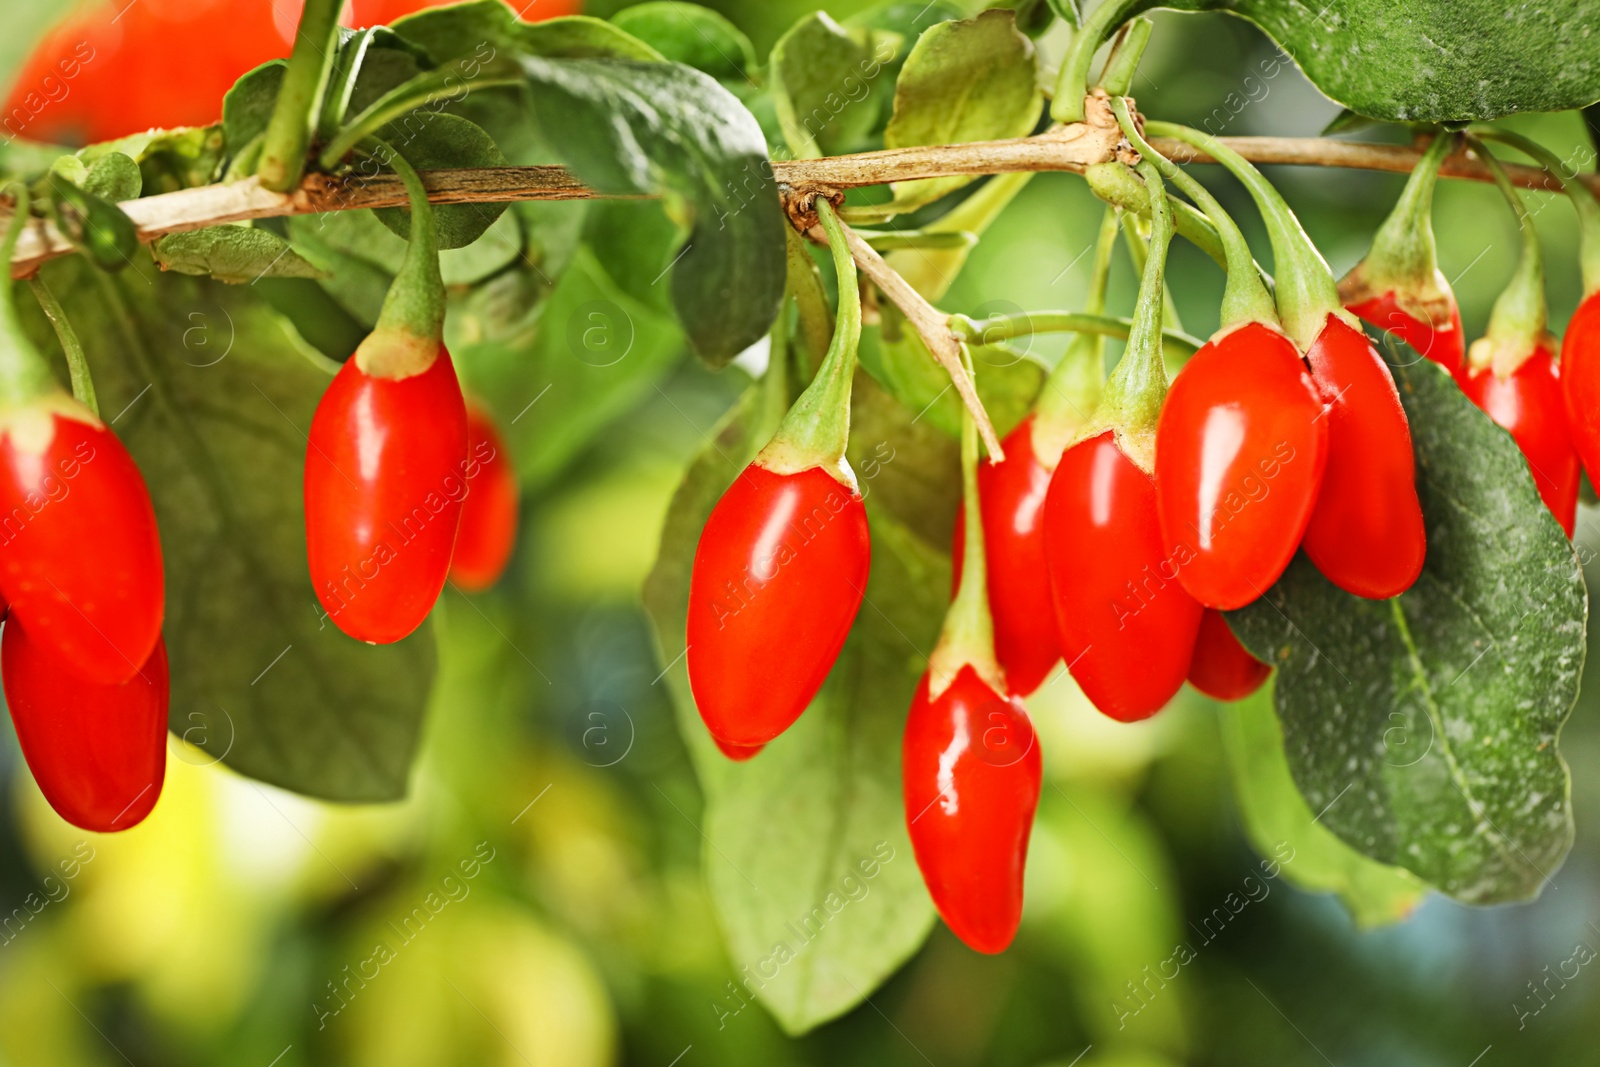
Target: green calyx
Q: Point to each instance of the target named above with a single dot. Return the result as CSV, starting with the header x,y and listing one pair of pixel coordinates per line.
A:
x,y
298,110
967,639
1306,291
817,428
1404,258
1134,393
1582,198
1073,80
1244,298
24,374
410,329
1517,323
1072,392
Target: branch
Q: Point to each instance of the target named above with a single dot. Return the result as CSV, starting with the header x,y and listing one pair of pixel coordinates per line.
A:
x,y
1065,148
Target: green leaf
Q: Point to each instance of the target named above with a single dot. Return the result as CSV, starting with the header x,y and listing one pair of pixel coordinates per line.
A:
x,y
973,80
234,254
113,177
486,28
1279,824
95,226
635,128
1008,380
1430,61
168,160
1068,11
1424,729
212,393
433,140
691,34
823,887
822,75
247,107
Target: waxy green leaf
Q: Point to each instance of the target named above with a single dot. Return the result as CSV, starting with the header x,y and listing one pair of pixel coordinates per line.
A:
x,y
822,76
233,254
690,34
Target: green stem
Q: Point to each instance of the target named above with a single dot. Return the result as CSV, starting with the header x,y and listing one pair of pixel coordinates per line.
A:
x,y
967,638
1006,327
893,240
1306,291
415,303
1123,62
299,106
1072,392
1138,244
347,68
804,283
1517,323
1072,83
817,428
1117,185
24,374
1583,199
1404,253
1134,393
422,91
1244,297
71,347
775,382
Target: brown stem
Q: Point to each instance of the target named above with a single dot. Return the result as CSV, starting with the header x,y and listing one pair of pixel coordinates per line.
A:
x,y
1064,148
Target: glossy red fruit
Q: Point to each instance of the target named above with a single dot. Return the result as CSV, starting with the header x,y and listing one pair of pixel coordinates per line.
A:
x,y
97,751
1443,342
737,753
779,574
1125,623
1580,382
488,528
1366,534
384,482
970,769
1528,403
1240,451
1221,668
80,558
1012,495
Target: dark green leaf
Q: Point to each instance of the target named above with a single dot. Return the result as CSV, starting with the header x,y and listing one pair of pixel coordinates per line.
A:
x,y
972,80
247,107
432,140
691,34
1424,728
1282,827
486,28
234,254
113,177
632,128
95,226
212,394
822,76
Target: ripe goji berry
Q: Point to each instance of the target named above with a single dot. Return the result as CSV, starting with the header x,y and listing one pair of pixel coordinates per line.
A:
x,y
1528,404
1580,382
1222,669
488,530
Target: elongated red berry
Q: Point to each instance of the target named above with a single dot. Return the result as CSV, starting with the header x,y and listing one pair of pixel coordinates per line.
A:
x,y
1580,382
1126,625
1221,668
779,574
97,751
384,481
1011,497
737,753
971,769
1240,451
488,528
1528,404
1366,534
80,558
1441,341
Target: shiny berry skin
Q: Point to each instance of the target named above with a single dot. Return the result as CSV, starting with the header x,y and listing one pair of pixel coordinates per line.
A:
x,y
384,481
98,751
1529,405
779,574
1240,451
1126,625
488,528
737,753
1445,344
1012,495
1580,382
970,770
1366,534
1221,668
80,558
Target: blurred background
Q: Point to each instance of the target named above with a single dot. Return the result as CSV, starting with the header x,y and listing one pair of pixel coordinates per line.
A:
x,y
539,898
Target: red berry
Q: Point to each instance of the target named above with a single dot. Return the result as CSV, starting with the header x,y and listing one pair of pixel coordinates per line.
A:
x,y
1011,495
1240,451
1442,341
737,753
1580,382
1221,668
1528,403
80,557
384,482
97,751
779,574
970,768
1126,626
1366,533
489,514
